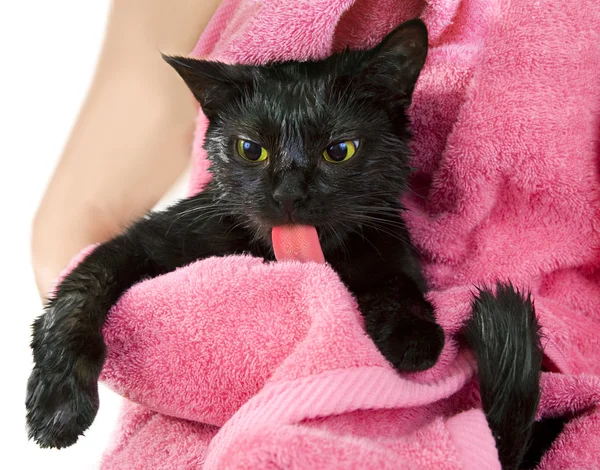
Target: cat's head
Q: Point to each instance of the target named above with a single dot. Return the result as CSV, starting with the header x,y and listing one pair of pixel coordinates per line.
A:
x,y
320,143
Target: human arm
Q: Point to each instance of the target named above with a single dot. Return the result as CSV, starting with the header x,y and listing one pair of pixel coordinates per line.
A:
x,y
131,139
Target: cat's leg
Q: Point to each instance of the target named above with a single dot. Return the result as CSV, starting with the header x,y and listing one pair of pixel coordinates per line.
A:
x,y
401,323
68,348
67,344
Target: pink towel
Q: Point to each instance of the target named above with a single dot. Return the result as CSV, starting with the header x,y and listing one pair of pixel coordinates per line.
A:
x,y
233,363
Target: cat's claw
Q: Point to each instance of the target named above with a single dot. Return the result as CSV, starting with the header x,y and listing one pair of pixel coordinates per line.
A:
x,y
59,408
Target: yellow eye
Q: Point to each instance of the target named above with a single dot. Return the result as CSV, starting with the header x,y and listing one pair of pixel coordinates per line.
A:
x,y
251,151
340,152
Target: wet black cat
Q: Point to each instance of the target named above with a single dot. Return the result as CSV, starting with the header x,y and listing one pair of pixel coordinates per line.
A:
x,y
321,143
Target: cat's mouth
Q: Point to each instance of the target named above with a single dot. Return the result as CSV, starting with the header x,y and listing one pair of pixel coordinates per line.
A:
x,y
294,218
327,230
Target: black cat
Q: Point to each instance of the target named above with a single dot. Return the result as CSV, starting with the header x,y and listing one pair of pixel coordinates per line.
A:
x,y
321,143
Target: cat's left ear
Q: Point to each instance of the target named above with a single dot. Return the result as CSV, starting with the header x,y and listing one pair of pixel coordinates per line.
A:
x,y
212,83
395,64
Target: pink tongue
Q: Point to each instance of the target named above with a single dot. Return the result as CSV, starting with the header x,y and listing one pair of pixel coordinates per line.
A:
x,y
297,242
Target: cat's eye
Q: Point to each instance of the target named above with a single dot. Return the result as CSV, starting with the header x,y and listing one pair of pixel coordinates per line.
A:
x,y
340,152
251,151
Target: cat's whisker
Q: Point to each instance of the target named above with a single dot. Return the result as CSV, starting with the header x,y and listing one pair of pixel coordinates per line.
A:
x,y
220,210
358,230
340,240
414,193
204,209
391,233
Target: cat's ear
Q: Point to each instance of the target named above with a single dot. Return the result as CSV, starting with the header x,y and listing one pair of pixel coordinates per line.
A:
x,y
395,64
212,83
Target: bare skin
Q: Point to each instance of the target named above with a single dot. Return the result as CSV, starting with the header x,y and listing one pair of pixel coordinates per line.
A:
x,y
132,138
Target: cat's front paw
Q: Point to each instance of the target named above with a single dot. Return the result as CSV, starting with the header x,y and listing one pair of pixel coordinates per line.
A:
x,y
59,407
68,353
411,346
402,325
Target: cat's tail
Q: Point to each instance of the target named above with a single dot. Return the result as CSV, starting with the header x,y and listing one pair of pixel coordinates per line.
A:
x,y
504,335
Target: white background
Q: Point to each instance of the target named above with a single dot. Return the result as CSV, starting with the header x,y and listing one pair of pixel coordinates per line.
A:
x,y
48,53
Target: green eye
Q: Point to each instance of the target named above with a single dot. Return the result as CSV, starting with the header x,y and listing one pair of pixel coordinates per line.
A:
x,y
251,151
340,152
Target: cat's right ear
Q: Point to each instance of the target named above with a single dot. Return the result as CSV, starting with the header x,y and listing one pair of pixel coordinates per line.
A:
x,y
212,83
395,64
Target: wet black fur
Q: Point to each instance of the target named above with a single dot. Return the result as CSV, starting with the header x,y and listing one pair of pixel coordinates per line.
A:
x,y
295,110
504,335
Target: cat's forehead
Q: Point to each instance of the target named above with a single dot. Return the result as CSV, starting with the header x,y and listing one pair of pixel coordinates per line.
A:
x,y
301,103
344,64
307,103
299,82
292,113
299,95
